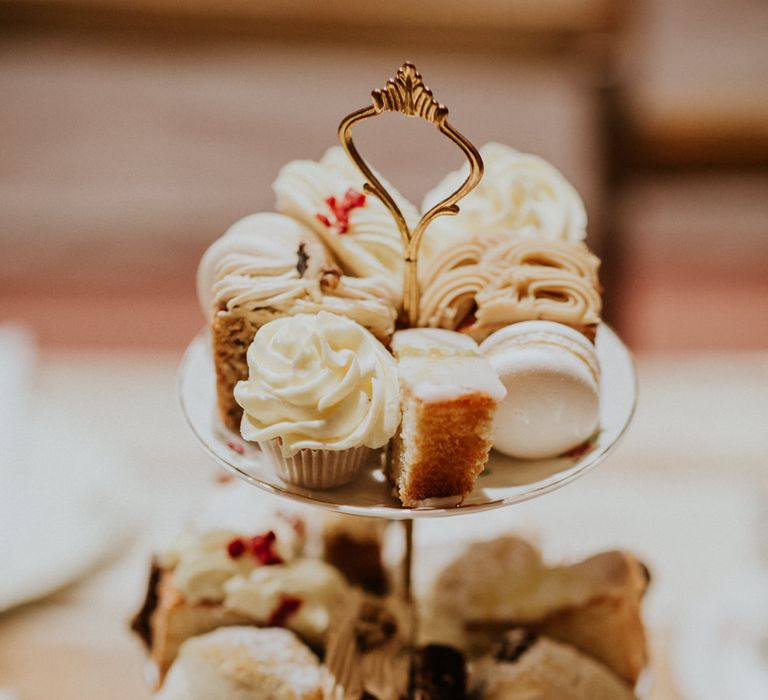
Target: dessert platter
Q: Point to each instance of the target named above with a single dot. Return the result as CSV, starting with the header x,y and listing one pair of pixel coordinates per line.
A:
x,y
380,360
505,480
362,358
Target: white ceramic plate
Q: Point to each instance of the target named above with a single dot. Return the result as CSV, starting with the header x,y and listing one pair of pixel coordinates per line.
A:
x,y
62,509
505,480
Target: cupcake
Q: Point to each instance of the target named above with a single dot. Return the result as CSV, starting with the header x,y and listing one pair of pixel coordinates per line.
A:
x,y
321,393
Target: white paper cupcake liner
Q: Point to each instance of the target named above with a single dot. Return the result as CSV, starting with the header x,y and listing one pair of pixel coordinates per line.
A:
x,y
316,469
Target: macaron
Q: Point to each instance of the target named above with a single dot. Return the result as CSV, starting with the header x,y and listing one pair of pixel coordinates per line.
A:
x,y
552,377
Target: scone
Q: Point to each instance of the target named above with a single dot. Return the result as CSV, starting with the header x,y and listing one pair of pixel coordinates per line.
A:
x,y
594,605
448,396
244,663
220,578
529,667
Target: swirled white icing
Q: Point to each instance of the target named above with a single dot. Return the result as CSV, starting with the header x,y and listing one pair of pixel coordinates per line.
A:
x,y
201,562
490,281
328,197
316,586
205,568
318,381
273,265
256,261
520,195
529,292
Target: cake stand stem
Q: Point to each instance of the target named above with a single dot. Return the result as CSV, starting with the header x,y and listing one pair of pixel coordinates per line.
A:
x,y
408,559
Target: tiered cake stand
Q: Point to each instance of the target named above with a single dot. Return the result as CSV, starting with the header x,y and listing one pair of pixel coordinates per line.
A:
x,y
505,481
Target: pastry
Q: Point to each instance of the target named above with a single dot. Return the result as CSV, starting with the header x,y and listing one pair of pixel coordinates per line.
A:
x,y
551,375
220,578
529,667
244,663
327,196
353,544
520,195
487,282
594,605
268,266
448,394
321,394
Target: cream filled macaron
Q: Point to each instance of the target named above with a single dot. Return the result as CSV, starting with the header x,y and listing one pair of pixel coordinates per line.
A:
x,y
552,376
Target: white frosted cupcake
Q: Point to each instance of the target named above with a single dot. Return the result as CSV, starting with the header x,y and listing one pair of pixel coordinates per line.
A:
x,y
321,393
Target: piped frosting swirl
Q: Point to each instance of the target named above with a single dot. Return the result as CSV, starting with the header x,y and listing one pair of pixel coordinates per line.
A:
x,y
271,265
327,196
520,195
318,381
491,281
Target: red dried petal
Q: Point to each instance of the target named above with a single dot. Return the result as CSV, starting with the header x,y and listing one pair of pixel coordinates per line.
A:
x,y
340,210
262,548
236,548
353,199
287,606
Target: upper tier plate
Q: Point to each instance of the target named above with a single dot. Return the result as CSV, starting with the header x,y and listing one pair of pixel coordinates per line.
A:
x,y
505,481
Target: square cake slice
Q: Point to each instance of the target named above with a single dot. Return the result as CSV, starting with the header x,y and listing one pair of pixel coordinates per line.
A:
x,y
448,396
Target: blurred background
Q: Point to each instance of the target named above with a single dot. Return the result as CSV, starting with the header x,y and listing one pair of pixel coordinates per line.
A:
x,y
134,132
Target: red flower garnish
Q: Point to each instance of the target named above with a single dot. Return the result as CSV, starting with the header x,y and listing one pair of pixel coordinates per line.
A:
x,y
286,607
236,548
261,546
340,210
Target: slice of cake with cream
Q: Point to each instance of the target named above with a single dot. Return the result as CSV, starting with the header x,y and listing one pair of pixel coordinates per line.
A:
x,y
448,395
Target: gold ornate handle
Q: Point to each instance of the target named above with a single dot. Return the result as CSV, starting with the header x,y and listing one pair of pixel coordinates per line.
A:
x,y
407,94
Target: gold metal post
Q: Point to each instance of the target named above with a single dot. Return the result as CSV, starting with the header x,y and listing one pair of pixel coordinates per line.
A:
x,y
407,94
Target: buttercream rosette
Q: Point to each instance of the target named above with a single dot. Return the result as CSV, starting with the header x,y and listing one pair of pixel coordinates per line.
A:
x,y
520,195
515,251
321,393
